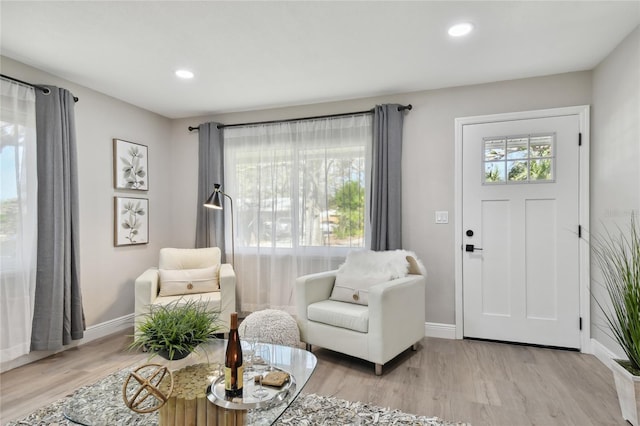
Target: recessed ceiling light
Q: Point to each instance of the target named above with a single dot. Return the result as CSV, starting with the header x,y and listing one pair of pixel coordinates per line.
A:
x,y
186,74
460,30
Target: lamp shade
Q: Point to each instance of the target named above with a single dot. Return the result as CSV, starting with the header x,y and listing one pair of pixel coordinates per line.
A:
x,y
214,201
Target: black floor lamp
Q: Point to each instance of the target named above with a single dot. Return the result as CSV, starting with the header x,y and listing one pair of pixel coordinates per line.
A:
x,y
215,202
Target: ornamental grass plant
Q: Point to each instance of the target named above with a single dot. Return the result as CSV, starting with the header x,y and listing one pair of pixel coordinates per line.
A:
x,y
618,256
177,328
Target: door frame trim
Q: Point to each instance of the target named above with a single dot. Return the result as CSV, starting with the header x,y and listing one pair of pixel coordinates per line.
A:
x,y
582,111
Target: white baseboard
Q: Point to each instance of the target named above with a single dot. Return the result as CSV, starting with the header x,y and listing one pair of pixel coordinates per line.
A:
x,y
442,331
604,354
91,333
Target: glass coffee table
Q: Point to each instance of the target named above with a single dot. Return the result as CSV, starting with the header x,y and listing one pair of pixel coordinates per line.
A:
x,y
102,404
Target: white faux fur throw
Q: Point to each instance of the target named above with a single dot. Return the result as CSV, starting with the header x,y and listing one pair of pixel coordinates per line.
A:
x,y
392,263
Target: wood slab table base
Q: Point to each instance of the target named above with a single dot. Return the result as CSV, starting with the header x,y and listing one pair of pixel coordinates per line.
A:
x,y
188,403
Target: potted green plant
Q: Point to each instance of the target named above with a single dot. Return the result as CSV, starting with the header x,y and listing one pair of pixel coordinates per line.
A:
x,y
176,329
618,257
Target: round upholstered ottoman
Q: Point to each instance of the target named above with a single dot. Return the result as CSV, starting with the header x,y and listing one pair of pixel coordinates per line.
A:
x,y
271,326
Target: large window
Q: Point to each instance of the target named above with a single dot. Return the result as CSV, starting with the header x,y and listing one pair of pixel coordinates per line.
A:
x,y
300,198
299,184
18,217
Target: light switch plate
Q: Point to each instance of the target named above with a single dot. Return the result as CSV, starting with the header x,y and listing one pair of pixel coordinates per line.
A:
x,y
442,217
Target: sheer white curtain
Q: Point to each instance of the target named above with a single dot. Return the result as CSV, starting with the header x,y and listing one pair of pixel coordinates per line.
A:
x,y
299,191
18,207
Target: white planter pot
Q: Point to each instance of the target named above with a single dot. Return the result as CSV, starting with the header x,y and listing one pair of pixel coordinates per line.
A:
x,y
628,387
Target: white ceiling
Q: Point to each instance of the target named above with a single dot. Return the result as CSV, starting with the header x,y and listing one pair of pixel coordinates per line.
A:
x,y
256,55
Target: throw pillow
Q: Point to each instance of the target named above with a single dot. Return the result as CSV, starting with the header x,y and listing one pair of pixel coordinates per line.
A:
x,y
355,288
174,282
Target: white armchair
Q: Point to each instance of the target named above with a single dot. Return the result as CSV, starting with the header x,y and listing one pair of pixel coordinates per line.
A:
x,y
188,274
393,321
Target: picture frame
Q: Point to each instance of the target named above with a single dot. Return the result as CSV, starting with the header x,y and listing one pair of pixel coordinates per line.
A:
x,y
131,221
130,165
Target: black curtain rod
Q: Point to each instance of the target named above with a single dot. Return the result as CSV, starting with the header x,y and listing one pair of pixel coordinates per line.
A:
x,y
344,114
45,90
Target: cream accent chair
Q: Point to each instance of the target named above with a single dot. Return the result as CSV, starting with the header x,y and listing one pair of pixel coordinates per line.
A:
x,y
393,321
147,285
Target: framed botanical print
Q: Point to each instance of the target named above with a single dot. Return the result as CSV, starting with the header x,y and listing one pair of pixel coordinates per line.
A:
x,y
130,165
131,221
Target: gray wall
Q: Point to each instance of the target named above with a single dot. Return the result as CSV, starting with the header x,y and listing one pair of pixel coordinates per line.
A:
x,y
615,152
428,161
108,272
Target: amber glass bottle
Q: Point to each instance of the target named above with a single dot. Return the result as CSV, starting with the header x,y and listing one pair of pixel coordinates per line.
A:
x,y
233,361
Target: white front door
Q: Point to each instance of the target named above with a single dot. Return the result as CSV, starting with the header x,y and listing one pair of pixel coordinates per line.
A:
x,y
520,218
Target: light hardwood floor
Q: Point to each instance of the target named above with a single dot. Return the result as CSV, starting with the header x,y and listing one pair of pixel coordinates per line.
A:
x,y
482,383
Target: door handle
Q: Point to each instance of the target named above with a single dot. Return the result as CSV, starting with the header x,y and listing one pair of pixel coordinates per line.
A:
x,y
471,248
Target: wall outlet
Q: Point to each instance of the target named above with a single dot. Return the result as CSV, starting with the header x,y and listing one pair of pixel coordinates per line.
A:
x,y
442,217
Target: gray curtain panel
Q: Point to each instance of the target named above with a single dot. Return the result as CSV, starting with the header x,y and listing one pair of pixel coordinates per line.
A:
x,y
58,316
386,178
210,222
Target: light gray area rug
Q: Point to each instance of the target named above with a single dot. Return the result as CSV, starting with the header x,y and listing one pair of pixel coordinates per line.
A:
x,y
306,410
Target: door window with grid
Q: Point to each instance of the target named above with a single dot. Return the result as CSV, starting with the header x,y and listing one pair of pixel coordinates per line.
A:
x,y
519,159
